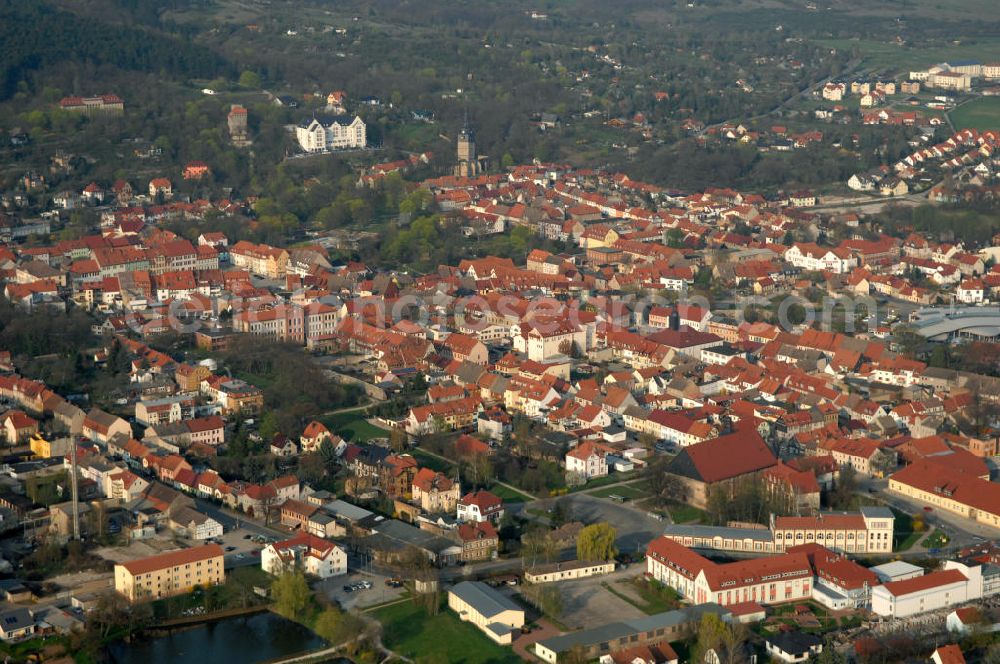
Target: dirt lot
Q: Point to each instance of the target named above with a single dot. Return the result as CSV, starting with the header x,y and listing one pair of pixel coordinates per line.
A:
x,y
240,550
139,549
84,582
586,603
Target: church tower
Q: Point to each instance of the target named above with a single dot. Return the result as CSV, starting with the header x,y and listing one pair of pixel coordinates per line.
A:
x,y
468,162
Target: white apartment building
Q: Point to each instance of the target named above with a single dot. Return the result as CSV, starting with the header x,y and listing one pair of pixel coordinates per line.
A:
x,y
313,555
320,134
809,256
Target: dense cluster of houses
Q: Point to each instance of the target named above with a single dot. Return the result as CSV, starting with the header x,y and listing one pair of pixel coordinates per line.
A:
x,y
591,345
968,160
678,375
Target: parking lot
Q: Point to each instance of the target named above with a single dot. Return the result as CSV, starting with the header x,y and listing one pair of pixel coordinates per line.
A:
x,y
242,547
379,592
587,603
635,527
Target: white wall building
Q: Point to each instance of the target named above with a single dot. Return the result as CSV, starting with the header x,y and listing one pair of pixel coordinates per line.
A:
x,y
931,592
587,459
812,257
320,134
770,580
311,554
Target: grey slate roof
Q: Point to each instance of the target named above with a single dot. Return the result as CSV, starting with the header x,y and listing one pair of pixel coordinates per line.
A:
x,y
617,630
346,510
877,512
794,643
394,535
487,601
719,531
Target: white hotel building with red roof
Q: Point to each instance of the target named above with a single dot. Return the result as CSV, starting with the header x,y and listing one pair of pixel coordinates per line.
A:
x,y
770,580
867,531
814,572
313,555
930,592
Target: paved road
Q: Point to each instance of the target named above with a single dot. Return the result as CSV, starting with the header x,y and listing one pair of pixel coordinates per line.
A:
x,y
631,480
961,532
231,520
635,527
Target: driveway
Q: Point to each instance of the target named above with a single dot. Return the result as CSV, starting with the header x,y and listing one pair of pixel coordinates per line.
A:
x,y
523,644
231,520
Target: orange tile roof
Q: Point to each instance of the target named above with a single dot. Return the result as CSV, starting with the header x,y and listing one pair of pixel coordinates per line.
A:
x,y
173,559
925,582
950,654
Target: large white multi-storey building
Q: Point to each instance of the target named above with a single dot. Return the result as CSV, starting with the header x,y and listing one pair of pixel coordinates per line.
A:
x,y
319,134
868,531
771,580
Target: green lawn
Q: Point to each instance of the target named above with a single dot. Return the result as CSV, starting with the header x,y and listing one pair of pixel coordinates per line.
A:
x,y
629,491
509,495
903,531
983,113
906,542
354,427
257,380
656,597
429,461
685,513
886,55
935,540
408,630
613,478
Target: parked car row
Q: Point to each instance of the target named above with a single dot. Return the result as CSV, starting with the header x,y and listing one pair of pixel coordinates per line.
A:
x,y
357,586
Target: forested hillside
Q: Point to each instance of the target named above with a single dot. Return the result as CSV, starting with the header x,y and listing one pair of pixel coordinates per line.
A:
x,y
36,35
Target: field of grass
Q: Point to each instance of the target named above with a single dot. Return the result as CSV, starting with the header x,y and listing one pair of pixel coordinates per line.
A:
x,y
408,630
257,380
656,598
629,491
903,531
612,478
983,113
884,55
354,427
685,513
429,461
509,495
935,540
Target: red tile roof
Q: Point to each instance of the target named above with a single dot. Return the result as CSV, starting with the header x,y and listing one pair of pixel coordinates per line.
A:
x,y
476,530
961,487
173,559
925,582
950,654
728,456
483,499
